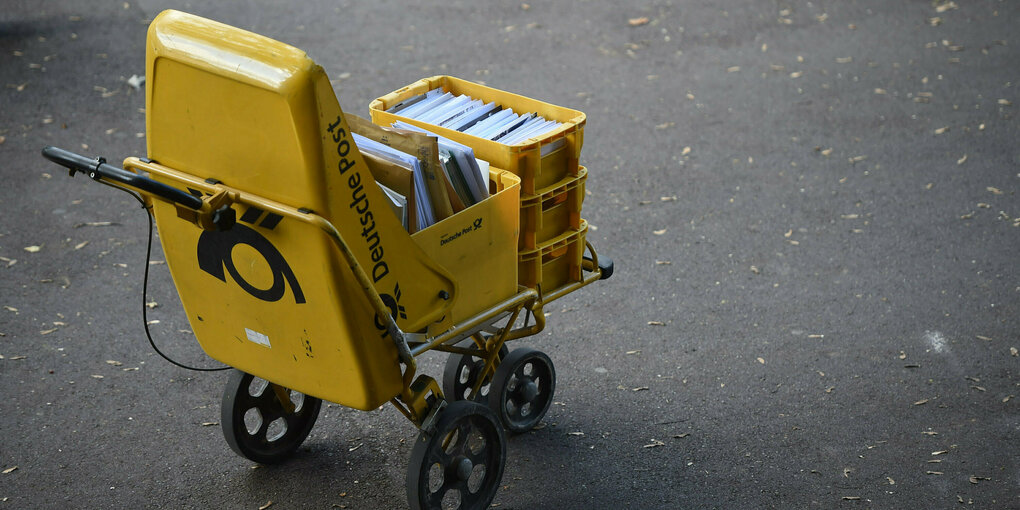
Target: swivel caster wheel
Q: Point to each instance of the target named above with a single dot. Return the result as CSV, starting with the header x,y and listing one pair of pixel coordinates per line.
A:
x,y
265,422
522,389
461,463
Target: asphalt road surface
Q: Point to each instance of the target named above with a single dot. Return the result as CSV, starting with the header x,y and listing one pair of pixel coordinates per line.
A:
x,y
812,207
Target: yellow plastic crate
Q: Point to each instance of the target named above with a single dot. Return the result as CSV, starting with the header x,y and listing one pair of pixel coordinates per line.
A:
x,y
539,162
552,211
555,263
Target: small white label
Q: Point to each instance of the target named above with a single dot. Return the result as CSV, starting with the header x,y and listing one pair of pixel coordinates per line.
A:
x,y
258,338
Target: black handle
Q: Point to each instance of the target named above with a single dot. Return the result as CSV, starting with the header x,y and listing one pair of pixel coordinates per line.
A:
x,y
98,169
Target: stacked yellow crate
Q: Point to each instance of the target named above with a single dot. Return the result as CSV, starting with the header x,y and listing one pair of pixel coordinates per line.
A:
x,y
551,242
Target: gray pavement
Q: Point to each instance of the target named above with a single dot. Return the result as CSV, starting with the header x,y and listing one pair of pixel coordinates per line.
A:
x,y
812,205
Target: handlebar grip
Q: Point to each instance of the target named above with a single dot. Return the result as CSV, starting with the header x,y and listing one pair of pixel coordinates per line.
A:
x,y
98,169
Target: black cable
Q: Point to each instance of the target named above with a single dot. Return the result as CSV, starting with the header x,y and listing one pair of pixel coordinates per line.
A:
x,y
145,289
145,307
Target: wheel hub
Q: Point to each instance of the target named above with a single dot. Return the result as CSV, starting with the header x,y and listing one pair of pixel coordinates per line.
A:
x,y
464,466
529,390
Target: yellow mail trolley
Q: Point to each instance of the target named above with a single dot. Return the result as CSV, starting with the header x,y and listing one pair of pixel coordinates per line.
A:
x,y
293,270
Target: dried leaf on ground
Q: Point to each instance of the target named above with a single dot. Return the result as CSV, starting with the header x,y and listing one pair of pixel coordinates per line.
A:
x,y
656,323
33,249
921,402
9,470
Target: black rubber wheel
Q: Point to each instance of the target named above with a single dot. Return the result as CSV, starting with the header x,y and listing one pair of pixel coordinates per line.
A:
x,y
522,389
461,372
461,464
257,425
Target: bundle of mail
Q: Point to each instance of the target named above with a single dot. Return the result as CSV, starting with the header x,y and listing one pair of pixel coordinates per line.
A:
x,y
474,117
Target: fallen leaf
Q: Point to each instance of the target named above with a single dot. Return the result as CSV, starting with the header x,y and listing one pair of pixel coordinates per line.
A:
x,y
210,423
32,249
685,151
994,190
9,470
681,436
979,388
578,434
97,376
633,352
1005,102
665,125
654,444
668,199
946,7
933,472
1013,352
761,360
15,358
921,402
930,433
796,74
844,60
962,160
656,323
816,336
636,22
47,331
81,245
640,388
10,309
827,152
1006,398
267,505
732,69
976,479
940,452
891,481
113,362
663,262
880,91
941,130
659,232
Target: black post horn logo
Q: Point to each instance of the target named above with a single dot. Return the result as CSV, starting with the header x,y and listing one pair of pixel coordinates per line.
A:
x,y
214,256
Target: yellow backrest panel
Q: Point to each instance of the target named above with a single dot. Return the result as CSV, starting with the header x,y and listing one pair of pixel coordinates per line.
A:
x,y
261,117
